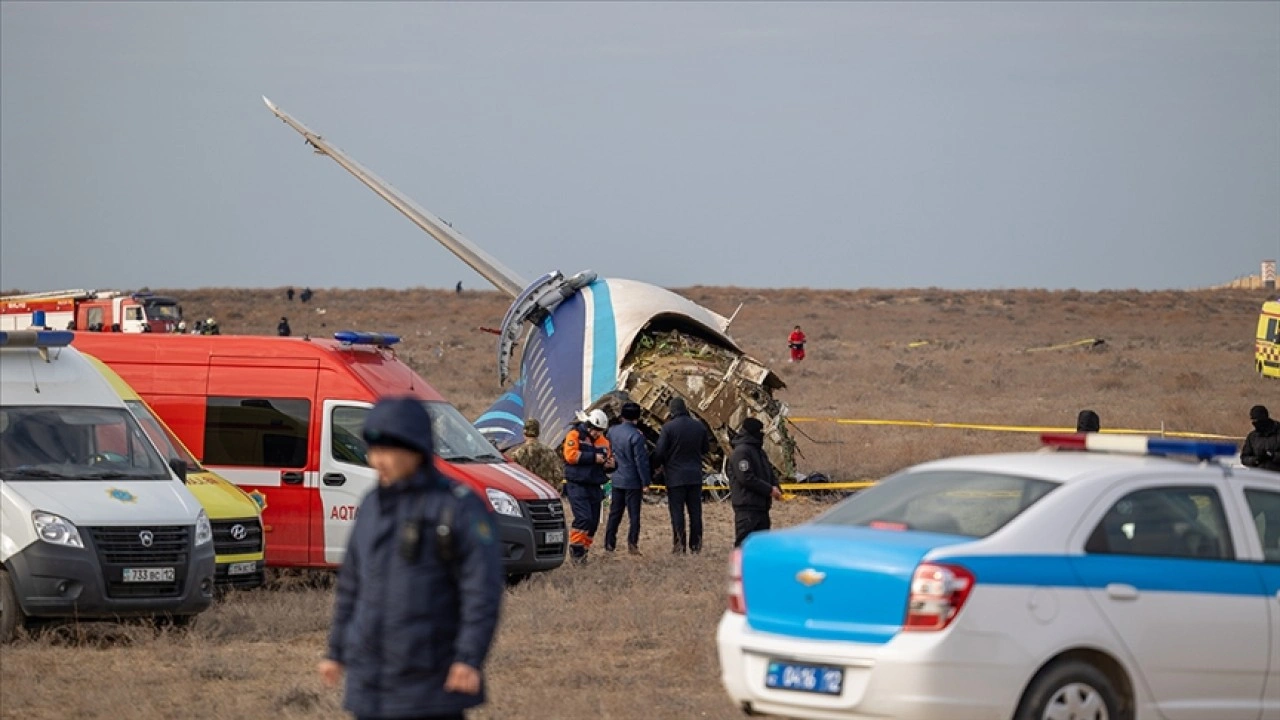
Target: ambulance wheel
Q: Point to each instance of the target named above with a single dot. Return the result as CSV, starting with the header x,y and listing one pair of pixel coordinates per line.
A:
x,y
1072,689
11,617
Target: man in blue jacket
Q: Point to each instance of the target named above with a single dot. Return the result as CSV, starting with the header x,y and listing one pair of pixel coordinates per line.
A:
x,y
421,587
629,480
681,445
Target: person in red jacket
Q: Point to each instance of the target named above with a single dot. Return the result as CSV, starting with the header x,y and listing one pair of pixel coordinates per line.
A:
x,y
796,343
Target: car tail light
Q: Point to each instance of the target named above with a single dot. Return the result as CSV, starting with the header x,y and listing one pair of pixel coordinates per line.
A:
x,y
737,599
937,594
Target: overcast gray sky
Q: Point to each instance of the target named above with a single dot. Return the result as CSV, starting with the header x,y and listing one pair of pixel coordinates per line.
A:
x,y
1088,145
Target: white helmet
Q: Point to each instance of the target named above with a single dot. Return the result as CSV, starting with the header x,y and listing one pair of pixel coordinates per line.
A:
x,y
597,419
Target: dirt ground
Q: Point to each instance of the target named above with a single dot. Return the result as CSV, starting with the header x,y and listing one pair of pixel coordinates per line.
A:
x,y
634,637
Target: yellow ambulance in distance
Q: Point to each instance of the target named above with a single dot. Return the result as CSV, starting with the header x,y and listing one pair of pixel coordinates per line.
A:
x,y
238,540
1268,343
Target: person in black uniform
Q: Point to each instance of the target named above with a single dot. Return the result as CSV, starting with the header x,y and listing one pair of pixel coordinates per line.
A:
x,y
753,486
1262,446
420,589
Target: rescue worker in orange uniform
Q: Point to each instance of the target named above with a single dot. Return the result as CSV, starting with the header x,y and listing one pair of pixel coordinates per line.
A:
x,y
587,460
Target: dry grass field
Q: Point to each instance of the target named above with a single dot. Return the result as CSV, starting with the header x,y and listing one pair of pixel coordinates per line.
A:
x,y
634,637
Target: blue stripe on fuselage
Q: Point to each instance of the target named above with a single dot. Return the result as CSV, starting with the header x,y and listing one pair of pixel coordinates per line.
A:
x,y
604,363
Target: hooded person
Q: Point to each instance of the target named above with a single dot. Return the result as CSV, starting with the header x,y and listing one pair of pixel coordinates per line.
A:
x,y
753,486
588,458
1088,422
681,444
630,479
420,589
1262,446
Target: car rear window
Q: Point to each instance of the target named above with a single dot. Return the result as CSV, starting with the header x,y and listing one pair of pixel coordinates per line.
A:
x,y
973,504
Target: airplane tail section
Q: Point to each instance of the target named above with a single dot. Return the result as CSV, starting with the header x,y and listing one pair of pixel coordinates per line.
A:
x,y
468,252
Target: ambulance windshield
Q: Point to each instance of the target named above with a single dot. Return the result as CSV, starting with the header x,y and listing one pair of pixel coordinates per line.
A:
x,y
75,443
456,440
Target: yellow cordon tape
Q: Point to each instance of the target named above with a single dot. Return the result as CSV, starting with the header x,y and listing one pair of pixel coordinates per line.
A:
x,y
1008,428
858,485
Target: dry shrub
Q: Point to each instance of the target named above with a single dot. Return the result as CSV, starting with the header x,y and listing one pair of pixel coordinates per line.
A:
x,y
1190,381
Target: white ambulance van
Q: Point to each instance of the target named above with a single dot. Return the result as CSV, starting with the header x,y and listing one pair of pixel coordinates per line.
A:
x,y
94,525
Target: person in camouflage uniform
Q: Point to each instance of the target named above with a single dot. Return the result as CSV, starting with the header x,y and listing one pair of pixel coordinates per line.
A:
x,y
538,458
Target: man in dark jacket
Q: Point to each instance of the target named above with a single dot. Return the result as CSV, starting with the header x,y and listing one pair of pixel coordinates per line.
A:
x,y
421,587
282,328
681,444
752,484
629,480
1262,446
587,460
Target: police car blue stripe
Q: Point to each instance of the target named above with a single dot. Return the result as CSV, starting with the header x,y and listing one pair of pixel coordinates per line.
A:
x,y
1151,574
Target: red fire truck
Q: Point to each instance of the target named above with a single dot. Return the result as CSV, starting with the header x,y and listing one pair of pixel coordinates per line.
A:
x,y
92,310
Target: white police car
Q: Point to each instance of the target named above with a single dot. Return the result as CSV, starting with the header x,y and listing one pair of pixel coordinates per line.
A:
x,y
1095,585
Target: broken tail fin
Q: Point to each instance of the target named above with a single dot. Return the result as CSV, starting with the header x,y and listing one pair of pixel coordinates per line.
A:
x,y
495,272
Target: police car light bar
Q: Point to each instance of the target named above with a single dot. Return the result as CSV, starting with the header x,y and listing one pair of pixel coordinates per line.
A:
x,y
36,338
1139,445
351,337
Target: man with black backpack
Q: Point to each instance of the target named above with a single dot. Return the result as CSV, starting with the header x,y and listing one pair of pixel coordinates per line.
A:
x,y
421,587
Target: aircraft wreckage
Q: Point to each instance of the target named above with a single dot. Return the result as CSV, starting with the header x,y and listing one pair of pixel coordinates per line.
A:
x,y
592,342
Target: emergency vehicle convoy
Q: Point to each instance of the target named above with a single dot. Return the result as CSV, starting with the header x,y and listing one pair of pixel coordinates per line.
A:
x,y
1267,353
92,310
282,418
1101,583
235,517
93,523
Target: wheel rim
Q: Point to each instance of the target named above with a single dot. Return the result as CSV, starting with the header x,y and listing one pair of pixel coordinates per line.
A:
x,y
1076,701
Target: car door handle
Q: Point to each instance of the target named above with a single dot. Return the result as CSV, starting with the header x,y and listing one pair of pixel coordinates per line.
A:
x,y
334,479
291,478
1121,591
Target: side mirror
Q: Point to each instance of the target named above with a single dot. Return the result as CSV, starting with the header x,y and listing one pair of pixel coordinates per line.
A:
x,y
179,467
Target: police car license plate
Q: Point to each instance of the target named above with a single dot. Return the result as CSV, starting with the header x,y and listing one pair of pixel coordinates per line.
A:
x,y
553,536
241,568
804,678
148,575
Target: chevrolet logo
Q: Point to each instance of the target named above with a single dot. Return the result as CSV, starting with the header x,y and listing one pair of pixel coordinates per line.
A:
x,y
810,577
